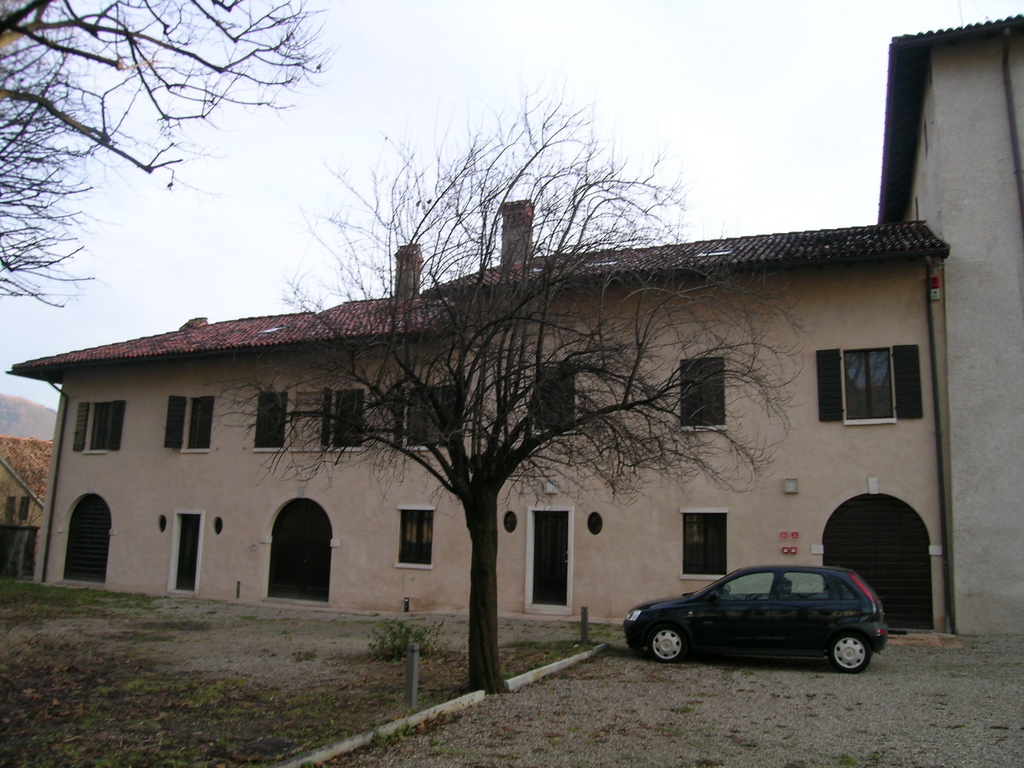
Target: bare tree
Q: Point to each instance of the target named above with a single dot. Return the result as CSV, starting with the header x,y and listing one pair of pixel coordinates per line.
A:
x,y
121,79
535,330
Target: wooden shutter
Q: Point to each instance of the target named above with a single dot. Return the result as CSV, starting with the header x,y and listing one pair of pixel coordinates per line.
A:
x,y
116,425
325,420
81,422
906,367
830,385
702,392
271,408
174,428
348,418
200,425
713,387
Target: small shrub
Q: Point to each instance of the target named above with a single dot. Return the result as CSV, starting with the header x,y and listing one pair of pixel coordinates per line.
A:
x,y
389,639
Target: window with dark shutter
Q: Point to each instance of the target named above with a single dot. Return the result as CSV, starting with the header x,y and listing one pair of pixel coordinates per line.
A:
x,y
431,416
174,427
830,385
553,405
23,504
906,369
81,422
200,425
348,425
271,410
100,427
702,392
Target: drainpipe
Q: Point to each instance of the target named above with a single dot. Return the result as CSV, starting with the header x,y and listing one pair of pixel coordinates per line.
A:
x,y
940,464
56,472
1011,116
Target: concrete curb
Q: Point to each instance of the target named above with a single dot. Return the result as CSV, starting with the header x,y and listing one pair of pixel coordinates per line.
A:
x,y
447,708
364,739
517,682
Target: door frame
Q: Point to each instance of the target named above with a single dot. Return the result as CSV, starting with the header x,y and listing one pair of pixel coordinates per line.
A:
x,y
172,569
543,608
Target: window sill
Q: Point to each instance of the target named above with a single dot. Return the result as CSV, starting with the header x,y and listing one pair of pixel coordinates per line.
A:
x,y
700,576
267,450
866,422
704,428
95,452
195,450
416,566
346,449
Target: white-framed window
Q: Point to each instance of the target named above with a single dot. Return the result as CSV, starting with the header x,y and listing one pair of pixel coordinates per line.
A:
x,y
873,385
705,542
98,426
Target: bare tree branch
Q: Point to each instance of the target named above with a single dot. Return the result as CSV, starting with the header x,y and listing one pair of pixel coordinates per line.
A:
x,y
554,335
122,79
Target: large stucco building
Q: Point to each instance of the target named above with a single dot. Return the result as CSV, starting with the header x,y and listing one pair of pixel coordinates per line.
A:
x,y
952,159
162,483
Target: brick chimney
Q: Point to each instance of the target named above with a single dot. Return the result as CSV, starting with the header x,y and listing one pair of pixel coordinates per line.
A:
x,y
516,232
408,263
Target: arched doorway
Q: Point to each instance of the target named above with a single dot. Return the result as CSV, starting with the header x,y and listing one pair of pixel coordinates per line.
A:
x,y
885,541
88,541
300,552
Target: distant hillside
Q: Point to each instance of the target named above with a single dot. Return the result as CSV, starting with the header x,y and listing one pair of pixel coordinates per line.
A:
x,y
23,418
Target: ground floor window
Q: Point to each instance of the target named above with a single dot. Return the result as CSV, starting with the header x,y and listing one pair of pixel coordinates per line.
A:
x,y
704,542
417,536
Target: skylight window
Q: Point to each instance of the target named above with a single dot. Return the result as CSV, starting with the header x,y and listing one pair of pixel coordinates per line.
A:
x,y
271,330
715,253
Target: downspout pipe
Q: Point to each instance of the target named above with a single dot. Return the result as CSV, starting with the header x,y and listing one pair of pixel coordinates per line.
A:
x,y
940,464
1011,117
52,499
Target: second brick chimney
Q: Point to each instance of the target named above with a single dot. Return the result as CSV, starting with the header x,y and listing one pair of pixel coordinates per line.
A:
x,y
408,263
516,232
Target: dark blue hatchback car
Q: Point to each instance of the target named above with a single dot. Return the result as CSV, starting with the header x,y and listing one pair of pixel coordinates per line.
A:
x,y
767,610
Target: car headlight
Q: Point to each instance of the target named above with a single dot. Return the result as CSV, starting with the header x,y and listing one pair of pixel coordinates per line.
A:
x,y
633,615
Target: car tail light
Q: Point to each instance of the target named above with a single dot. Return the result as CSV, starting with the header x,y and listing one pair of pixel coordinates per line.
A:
x,y
864,590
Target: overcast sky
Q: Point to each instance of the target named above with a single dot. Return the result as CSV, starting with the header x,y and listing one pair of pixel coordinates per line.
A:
x,y
773,111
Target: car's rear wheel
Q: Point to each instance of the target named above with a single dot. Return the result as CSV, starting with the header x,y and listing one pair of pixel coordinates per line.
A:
x,y
667,644
849,653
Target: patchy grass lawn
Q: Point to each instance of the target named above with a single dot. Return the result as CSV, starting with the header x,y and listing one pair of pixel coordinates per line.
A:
x,y
104,699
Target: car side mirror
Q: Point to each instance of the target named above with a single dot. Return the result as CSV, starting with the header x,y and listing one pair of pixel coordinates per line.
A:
x,y
713,597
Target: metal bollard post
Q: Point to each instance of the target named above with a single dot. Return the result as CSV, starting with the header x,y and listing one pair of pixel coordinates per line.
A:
x,y
584,625
412,675
405,605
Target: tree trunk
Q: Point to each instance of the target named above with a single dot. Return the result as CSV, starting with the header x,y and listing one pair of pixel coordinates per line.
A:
x,y
484,666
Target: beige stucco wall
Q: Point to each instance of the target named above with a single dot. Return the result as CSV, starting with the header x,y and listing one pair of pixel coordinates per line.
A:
x,y
964,188
637,555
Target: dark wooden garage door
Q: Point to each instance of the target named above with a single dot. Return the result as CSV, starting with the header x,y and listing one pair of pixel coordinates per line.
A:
x,y
88,541
300,552
885,541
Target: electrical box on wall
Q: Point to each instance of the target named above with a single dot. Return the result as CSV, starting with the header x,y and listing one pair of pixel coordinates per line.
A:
x,y
935,289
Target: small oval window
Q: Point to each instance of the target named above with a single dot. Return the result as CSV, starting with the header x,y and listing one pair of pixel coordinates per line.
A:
x,y
218,526
510,521
162,522
595,523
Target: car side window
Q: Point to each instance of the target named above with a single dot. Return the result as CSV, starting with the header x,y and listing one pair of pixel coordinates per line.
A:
x,y
749,586
800,585
845,590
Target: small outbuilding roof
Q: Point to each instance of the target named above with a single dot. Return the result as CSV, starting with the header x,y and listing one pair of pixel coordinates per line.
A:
x,y
28,459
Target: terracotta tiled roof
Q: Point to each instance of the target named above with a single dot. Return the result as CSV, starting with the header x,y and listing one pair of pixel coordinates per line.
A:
x,y
29,459
793,249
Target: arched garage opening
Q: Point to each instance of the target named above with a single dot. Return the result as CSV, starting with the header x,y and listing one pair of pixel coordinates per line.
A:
x,y
885,541
88,541
300,552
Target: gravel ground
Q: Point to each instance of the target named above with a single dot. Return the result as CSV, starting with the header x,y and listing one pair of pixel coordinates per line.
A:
x,y
927,702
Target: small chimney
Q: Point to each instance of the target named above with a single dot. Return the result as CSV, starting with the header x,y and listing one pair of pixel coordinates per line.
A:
x,y
408,264
195,322
516,232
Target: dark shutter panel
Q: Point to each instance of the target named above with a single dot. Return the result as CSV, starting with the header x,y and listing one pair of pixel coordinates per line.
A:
x,y
116,425
325,421
81,422
174,429
348,415
714,393
271,408
830,385
906,367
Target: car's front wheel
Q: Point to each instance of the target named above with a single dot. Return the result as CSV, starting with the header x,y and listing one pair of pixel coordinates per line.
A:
x,y
667,644
849,653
